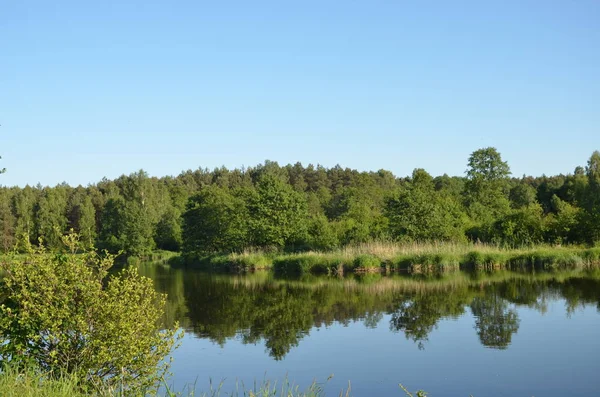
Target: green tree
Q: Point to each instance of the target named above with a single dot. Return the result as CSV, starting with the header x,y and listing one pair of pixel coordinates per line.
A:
x,y
215,221
486,189
278,214
138,230
81,215
168,235
522,195
129,219
24,202
50,215
63,313
563,226
141,212
522,227
7,222
592,199
111,225
418,212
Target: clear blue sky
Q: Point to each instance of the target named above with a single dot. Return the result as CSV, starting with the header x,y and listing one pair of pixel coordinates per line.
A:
x,y
93,89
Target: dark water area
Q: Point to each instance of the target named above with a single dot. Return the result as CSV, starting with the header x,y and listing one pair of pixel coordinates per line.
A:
x,y
499,334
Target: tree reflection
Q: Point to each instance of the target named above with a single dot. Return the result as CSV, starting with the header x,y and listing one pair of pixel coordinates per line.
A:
x,y
495,322
279,313
418,315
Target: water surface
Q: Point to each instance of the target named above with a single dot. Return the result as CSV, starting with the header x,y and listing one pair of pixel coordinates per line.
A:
x,y
502,334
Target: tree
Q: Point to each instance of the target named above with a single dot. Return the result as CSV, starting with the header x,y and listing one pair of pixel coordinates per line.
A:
x,y
522,227
522,195
7,222
51,220
63,313
278,214
486,165
111,225
564,223
215,221
592,199
420,213
129,219
24,202
486,188
81,215
168,235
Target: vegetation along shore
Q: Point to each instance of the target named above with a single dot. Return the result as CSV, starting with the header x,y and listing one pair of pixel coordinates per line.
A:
x,y
311,218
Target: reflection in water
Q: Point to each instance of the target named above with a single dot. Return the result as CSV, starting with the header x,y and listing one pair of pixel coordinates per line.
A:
x,y
258,307
496,321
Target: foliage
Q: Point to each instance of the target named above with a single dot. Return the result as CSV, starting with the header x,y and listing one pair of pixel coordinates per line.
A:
x,y
592,199
486,188
296,208
521,227
420,213
215,221
64,314
278,214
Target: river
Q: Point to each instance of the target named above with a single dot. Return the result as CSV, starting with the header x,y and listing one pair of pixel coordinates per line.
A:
x,y
498,334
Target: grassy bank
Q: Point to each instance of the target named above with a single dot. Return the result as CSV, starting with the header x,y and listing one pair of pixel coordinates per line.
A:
x,y
413,258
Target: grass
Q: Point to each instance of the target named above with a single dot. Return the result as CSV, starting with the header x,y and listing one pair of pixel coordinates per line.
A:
x,y
33,383
412,258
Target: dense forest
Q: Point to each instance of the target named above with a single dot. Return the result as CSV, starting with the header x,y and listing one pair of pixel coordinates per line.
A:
x,y
296,207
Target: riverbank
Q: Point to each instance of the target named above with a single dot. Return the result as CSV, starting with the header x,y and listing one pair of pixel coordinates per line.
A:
x,y
413,258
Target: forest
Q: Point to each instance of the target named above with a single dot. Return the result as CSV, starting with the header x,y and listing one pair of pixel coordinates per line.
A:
x,y
296,208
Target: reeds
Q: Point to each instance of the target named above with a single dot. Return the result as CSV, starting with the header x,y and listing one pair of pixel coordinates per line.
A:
x,y
412,258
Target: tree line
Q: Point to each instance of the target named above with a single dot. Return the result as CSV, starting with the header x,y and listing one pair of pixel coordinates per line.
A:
x,y
296,207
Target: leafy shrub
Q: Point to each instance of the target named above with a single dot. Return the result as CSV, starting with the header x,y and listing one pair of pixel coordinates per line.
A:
x,y
63,314
366,262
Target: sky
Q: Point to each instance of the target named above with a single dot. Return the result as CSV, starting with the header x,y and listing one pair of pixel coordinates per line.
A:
x,y
99,89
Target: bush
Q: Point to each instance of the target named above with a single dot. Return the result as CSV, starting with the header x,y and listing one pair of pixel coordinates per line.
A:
x,y
367,262
63,314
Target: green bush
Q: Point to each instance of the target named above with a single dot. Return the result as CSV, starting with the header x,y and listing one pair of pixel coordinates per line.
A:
x,y
64,315
366,262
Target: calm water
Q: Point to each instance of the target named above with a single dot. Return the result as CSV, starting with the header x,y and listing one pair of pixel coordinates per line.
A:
x,y
487,335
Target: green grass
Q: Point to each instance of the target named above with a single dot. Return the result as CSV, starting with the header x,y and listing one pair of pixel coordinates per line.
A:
x,y
33,383
412,258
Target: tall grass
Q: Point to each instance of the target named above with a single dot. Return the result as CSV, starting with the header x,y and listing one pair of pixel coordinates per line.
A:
x,y
413,258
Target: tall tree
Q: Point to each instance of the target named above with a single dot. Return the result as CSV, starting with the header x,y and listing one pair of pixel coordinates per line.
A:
x,y
24,202
420,213
50,215
7,221
486,188
81,215
215,221
278,214
592,199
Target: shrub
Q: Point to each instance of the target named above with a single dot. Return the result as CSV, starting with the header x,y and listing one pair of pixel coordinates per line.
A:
x,y
63,314
366,262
